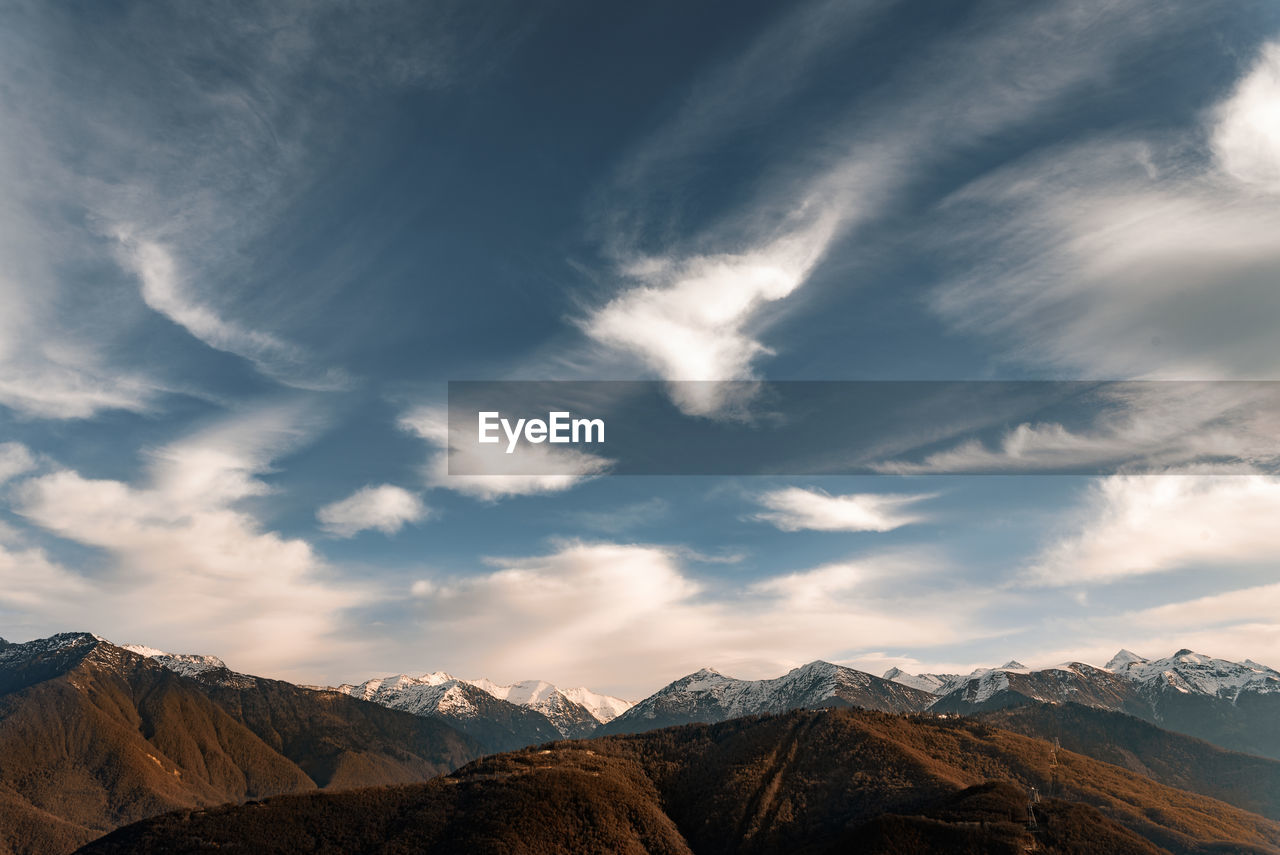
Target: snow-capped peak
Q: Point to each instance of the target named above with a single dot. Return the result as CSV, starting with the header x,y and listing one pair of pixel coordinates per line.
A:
x,y
603,707
438,691
187,664
1189,672
1122,660
550,700
1013,665
931,683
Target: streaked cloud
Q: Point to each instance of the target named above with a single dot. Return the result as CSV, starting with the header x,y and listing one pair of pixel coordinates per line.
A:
x,y
690,313
688,319
15,459
164,291
585,606
1246,133
1161,427
1141,525
800,509
186,565
1128,257
385,507
432,424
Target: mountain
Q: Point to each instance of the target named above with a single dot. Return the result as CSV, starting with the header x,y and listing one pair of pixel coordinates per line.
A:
x,y
828,781
1235,705
93,736
575,713
496,724
709,696
1174,759
930,683
187,664
1074,682
502,717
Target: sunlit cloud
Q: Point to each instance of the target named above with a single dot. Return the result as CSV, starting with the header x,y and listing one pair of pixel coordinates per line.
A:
x,y
798,509
1140,525
385,507
570,466
585,606
186,566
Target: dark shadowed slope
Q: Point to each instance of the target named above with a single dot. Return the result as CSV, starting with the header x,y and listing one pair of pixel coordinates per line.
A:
x,y
1181,761
804,782
93,736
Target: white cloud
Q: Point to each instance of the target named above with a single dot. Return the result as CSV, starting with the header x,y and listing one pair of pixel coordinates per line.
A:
x,y
385,507
798,509
1163,427
15,459
588,605
1246,136
689,319
1131,258
690,312
187,567
164,291
1135,525
546,469
199,150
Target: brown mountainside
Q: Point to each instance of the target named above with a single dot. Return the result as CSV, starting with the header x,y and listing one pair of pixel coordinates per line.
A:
x,y
93,736
1181,761
840,780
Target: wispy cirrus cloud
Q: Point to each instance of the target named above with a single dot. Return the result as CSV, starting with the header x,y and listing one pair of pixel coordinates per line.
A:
x,y
1131,257
1132,427
164,291
1246,133
152,194
431,423
1145,524
584,605
696,309
799,509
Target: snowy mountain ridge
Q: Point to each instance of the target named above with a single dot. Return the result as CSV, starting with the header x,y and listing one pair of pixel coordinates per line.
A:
x,y
1185,671
706,695
571,713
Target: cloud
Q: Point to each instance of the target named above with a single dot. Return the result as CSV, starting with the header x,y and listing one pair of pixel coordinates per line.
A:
x,y
1129,257
688,320
570,465
186,566
586,606
386,508
1164,427
164,291
1246,135
15,459
798,509
624,518
196,156
1138,525
697,308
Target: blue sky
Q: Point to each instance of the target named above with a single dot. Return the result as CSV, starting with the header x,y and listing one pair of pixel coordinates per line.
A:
x,y
245,245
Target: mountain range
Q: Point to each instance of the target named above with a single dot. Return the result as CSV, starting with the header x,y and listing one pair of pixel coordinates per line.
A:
x,y
1232,704
94,735
1235,705
825,781
504,717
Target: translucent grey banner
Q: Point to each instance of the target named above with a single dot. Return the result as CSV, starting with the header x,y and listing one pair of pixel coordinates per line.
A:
x,y
580,428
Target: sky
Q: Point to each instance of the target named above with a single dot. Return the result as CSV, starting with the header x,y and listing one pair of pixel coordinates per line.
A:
x,y
245,245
